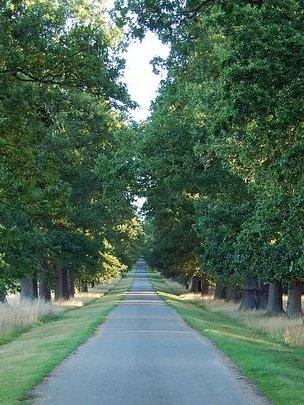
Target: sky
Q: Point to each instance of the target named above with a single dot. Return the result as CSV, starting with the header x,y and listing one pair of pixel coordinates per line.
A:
x,y
141,81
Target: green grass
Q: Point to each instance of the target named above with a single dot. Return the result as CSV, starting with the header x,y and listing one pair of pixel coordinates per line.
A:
x,y
32,355
276,368
13,335
19,331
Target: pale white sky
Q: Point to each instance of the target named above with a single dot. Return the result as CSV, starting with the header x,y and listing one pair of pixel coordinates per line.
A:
x,y
141,81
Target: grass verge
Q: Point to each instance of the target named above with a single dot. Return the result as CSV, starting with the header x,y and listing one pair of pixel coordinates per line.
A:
x,y
274,366
32,355
17,317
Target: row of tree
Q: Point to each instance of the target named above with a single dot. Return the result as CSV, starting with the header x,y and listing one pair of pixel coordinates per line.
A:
x,y
221,160
66,211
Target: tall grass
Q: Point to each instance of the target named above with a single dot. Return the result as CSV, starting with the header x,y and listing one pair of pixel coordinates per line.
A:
x,y
279,327
17,315
291,331
82,299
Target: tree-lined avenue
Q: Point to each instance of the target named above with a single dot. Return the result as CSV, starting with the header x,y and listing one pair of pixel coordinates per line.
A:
x,y
145,354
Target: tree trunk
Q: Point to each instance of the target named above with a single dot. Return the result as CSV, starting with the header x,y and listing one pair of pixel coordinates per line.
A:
x,y
71,280
250,300
294,304
205,287
275,299
255,295
29,289
263,296
58,283
62,285
44,282
220,291
195,284
65,285
44,291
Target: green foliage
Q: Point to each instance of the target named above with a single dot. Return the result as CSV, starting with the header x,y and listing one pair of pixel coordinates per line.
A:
x,y
62,137
222,154
167,176
220,161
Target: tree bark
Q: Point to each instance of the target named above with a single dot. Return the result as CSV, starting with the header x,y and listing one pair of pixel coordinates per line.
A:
x,y
71,281
65,285
62,285
250,300
205,287
44,282
29,289
220,291
255,295
44,291
275,299
294,304
263,296
58,283
195,284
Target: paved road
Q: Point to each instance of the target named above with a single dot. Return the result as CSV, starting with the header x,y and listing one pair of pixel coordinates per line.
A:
x,y
144,354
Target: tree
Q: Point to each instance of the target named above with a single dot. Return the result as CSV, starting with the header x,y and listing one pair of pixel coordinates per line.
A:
x,y
167,170
236,65
62,105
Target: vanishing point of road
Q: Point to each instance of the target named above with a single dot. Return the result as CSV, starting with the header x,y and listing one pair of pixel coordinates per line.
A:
x,y
144,354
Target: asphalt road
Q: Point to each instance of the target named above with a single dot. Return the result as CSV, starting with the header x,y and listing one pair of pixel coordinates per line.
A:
x,y
144,354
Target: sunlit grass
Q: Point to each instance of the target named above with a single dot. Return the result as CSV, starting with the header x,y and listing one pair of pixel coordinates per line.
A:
x,y
255,343
81,299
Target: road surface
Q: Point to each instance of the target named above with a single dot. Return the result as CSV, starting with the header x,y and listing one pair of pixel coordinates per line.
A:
x,y
144,354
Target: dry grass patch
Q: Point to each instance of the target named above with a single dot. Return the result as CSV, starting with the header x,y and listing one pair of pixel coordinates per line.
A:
x,y
80,300
21,315
278,327
17,316
291,331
